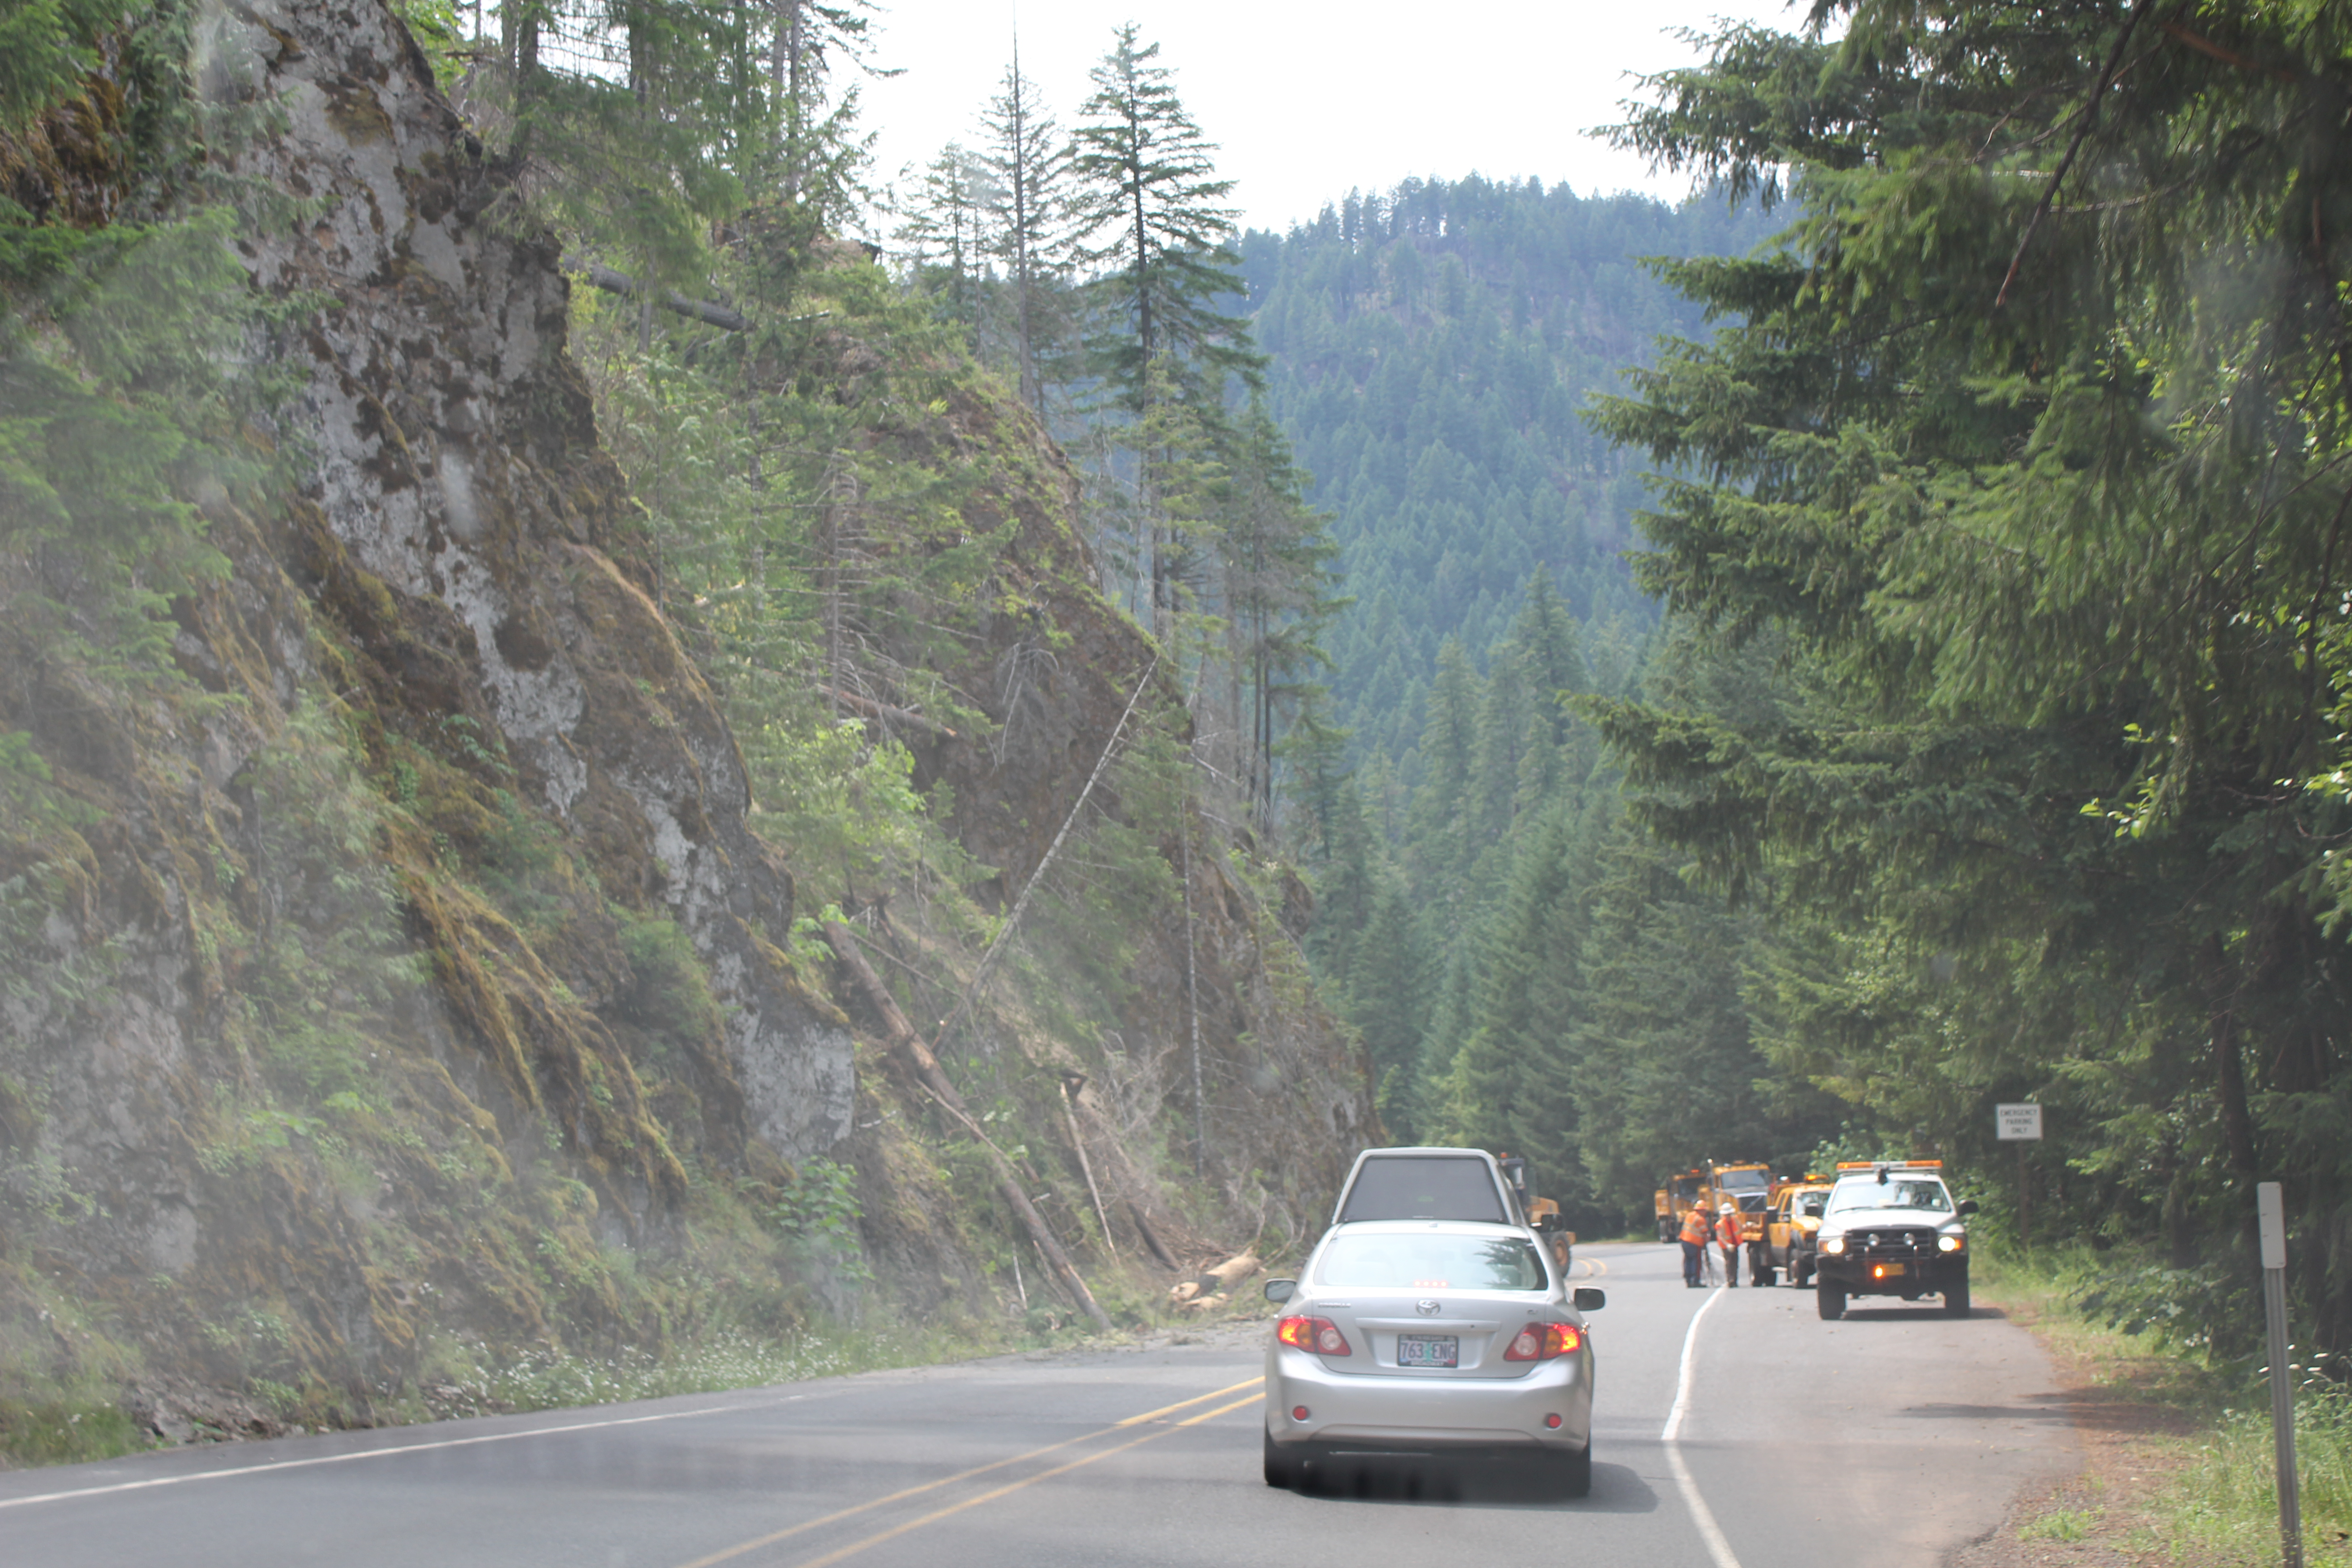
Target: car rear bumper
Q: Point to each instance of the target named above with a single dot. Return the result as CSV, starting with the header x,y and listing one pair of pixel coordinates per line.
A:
x,y
1376,1411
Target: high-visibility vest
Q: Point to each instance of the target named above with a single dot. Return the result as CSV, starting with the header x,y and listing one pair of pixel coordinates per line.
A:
x,y
1727,1230
1694,1227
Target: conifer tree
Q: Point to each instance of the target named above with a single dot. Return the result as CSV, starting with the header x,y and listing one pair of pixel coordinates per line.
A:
x,y
1514,1080
1439,830
1499,749
1028,163
1389,1001
1346,890
2030,436
1276,590
943,238
1151,210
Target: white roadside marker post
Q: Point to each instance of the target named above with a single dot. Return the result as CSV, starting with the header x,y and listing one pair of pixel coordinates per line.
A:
x,y
2272,1213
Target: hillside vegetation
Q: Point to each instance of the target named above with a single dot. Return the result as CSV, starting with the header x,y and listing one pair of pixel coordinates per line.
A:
x,y
460,721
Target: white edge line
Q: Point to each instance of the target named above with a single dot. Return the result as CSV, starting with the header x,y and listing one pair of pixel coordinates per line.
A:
x,y
1701,1515
362,1454
1690,1367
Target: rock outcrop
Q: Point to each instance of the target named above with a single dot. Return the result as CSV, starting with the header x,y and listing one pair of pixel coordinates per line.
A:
x,y
408,973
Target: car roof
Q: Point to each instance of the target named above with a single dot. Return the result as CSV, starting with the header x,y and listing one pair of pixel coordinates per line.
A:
x,y
1422,1226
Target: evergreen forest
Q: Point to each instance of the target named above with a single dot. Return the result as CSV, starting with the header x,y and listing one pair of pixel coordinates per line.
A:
x,y
993,758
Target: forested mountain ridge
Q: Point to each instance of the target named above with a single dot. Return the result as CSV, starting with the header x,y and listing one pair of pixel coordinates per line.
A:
x,y
1433,348
424,834
1527,968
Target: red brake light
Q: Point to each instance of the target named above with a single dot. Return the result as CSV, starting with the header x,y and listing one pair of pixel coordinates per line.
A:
x,y
1320,1335
1544,1342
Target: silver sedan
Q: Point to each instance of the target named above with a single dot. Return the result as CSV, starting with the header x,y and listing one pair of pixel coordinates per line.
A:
x,y
1436,1337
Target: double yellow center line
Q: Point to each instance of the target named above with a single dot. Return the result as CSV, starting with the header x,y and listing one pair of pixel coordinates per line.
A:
x,y
855,1547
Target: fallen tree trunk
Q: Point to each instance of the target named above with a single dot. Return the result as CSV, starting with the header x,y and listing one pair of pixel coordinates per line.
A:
x,y
1013,919
926,1066
1151,1237
873,710
600,275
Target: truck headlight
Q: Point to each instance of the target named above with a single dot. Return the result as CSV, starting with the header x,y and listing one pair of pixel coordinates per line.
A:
x,y
1833,1243
1950,1243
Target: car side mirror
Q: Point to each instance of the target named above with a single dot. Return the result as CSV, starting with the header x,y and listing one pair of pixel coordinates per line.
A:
x,y
1590,1300
1968,1205
1548,1223
1280,1290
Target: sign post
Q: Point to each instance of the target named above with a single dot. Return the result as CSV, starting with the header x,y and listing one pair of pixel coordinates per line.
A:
x,y
2019,1124
2272,1213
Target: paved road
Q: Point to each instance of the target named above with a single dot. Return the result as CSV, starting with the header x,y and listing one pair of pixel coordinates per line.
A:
x,y
1890,1438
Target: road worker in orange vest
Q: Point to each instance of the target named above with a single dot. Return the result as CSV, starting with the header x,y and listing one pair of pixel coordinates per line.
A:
x,y
1696,1229
1726,1231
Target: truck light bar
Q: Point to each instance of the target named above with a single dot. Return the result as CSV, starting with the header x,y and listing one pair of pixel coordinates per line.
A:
x,y
1891,1164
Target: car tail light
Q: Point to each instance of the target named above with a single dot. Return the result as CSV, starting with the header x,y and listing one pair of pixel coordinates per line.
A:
x,y
1544,1342
1320,1335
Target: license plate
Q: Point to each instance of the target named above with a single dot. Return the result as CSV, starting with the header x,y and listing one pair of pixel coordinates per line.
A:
x,y
1429,1349
1888,1271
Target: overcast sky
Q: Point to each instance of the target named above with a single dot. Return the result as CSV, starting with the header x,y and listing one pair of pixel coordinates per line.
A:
x,y
1307,98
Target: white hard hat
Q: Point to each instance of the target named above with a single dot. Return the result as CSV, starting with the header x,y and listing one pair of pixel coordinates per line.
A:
x,y
1728,1207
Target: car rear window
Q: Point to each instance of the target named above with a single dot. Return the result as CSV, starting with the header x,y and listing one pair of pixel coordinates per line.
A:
x,y
1431,1263
1424,1187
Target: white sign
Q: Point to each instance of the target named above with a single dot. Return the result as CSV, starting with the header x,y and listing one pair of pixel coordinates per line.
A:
x,y
2271,1214
2017,1123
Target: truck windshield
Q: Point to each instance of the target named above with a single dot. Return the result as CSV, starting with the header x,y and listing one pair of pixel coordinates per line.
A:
x,y
1424,1187
1891,1195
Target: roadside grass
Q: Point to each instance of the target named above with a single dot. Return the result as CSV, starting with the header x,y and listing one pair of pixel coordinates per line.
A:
x,y
473,1380
48,1419
2190,1478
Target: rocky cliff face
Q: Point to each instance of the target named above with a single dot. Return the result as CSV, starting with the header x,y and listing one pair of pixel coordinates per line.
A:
x,y
408,976
459,480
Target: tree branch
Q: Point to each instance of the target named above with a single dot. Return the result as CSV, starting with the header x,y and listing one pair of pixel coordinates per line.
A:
x,y
2058,175
988,959
926,1068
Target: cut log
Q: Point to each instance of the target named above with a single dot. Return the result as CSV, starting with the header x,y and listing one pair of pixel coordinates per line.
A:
x,y
600,275
926,1068
1234,1269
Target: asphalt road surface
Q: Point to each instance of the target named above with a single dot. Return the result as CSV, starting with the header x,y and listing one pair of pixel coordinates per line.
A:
x,y
1733,1428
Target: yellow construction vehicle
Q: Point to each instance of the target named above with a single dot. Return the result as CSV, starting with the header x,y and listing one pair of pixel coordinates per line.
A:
x,y
1746,1187
1749,1189
1543,1215
1787,1249
1675,1199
